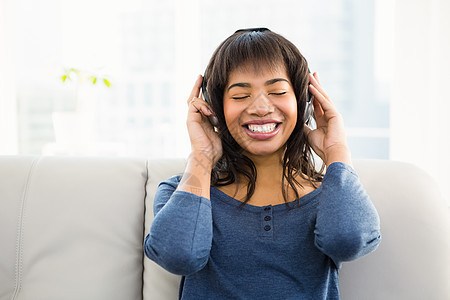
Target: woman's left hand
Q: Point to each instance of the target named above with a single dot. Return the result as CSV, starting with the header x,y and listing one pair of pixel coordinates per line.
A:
x,y
328,140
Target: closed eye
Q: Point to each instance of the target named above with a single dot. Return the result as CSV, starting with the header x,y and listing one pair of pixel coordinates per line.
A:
x,y
278,94
240,98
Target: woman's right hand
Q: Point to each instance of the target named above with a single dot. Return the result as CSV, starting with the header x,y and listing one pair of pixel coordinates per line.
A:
x,y
205,141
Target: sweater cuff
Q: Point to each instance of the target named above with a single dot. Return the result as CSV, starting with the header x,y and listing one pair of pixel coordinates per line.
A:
x,y
183,196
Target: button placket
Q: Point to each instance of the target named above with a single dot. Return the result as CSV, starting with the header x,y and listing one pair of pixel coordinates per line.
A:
x,y
267,222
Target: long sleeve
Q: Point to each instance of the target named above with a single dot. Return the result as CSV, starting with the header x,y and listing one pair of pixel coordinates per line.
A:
x,y
347,224
181,234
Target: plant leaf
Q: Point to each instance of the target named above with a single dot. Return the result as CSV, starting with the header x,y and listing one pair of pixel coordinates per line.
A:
x,y
64,77
107,83
92,79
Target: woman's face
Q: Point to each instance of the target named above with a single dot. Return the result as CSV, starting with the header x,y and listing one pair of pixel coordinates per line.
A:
x,y
260,109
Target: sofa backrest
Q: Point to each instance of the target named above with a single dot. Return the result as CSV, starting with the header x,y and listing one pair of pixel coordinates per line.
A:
x,y
413,258
158,283
71,228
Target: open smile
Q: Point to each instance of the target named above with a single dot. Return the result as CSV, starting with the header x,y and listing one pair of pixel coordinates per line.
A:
x,y
265,128
261,130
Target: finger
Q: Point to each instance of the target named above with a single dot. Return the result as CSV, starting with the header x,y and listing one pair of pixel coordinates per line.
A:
x,y
206,107
318,111
196,89
199,105
316,76
317,85
325,103
307,130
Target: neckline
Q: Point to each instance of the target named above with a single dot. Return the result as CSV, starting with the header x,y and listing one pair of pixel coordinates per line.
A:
x,y
303,200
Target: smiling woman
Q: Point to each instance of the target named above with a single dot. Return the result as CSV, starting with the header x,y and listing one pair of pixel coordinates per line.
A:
x,y
259,105
250,185
268,79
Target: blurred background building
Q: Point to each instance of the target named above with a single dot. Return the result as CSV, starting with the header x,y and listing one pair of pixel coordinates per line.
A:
x,y
152,51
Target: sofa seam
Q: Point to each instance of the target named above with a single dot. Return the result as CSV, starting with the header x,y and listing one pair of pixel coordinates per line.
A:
x,y
147,179
20,232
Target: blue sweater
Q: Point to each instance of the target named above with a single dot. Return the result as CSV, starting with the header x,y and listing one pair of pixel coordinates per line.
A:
x,y
271,252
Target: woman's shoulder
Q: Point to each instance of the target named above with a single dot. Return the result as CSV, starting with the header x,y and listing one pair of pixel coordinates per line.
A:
x,y
339,172
171,182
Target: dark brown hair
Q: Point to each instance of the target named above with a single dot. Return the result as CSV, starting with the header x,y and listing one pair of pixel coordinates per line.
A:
x,y
260,47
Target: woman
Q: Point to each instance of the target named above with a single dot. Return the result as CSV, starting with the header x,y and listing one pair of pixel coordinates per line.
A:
x,y
251,218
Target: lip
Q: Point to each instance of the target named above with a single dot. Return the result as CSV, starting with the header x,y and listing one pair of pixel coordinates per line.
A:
x,y
260,122
260,135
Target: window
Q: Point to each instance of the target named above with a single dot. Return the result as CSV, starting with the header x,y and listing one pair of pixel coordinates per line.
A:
x,y
151,52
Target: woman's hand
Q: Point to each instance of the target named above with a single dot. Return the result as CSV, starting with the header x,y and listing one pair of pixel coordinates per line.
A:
x,y
328,140
205,142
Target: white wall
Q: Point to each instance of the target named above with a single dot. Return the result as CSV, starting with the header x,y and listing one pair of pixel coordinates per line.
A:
x,y
8,115
420,105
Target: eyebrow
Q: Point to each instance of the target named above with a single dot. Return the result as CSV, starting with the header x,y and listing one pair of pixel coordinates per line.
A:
x,y
248,85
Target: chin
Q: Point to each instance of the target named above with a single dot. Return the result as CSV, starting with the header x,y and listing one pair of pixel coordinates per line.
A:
x,y
262,151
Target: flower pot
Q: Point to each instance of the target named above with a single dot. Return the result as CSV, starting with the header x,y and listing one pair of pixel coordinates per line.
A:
x,y
73,128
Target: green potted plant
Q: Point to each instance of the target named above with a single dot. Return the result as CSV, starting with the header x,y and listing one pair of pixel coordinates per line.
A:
x,y
75,127
81,77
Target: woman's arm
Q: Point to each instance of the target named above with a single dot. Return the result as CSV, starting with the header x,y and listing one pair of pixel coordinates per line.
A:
x,y
206,147
347,224
181,233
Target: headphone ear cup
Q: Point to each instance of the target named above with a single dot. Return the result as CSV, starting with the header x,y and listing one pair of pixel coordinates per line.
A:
x,y
204,90
309,110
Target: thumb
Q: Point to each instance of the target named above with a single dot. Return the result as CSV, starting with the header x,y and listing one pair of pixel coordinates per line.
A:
x,y
307,130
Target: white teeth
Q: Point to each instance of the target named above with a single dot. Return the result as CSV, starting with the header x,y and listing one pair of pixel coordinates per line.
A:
x,y
265,128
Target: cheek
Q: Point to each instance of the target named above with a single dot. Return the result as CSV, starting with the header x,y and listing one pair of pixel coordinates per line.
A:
x,y
232,113
290,110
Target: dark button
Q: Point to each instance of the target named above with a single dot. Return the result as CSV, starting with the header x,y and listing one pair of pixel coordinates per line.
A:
x,y
267,228
267,208
267,218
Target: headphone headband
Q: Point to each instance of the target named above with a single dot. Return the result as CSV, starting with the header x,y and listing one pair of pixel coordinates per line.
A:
x,y
257,29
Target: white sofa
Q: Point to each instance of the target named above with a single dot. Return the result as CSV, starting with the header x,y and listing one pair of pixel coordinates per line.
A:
x,y
72,228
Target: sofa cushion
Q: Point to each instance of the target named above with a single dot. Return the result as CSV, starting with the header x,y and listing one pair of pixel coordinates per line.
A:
x,y
158,283
71,228
413,259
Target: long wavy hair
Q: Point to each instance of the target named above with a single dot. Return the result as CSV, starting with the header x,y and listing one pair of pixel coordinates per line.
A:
x,y
260,47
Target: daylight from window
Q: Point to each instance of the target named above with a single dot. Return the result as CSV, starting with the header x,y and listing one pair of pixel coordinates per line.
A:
x,y
144,56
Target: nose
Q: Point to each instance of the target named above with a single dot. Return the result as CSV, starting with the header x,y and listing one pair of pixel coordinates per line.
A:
x,y
261,106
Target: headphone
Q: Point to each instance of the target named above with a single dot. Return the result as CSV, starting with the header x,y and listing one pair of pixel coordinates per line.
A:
x,y
309,109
